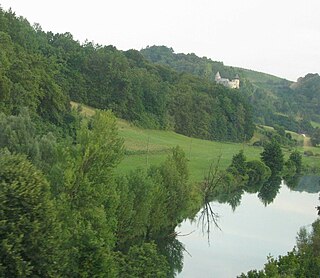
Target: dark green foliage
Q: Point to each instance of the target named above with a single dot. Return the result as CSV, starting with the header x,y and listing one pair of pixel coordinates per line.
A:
x,y
28,221
239,163
28,78
272,156
143,261
296,158
315,137
292,169
306,95
258,174
201,109
275,101
97,215
18,135
88,197
269,190
136,201
279,135
42,71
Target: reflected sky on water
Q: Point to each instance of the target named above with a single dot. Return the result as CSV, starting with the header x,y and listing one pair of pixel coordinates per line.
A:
x,y
248,234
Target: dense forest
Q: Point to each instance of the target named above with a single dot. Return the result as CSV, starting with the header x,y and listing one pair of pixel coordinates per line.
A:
x,y
47,70
64,211
275,101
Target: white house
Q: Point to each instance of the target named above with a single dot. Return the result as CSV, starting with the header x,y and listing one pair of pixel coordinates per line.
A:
x,y
233,84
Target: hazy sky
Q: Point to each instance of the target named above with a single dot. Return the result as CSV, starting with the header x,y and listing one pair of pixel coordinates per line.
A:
x,y
281,37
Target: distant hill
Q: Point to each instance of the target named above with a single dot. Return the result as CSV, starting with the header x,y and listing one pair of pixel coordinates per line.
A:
x,y
43,71
205,67
276,101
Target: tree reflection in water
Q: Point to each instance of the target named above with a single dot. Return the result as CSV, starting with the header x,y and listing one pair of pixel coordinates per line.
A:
x,y
269,190
232,195
207,219
172,249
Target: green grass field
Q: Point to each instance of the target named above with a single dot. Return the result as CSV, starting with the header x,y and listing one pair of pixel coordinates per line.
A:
x,y
315,124
145,147
148,147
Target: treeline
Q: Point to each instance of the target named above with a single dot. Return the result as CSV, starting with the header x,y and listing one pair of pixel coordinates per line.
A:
x,y
64,213
275,101
262,176
43,71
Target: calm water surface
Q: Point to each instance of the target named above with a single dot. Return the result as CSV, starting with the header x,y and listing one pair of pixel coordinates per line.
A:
x,y
248,235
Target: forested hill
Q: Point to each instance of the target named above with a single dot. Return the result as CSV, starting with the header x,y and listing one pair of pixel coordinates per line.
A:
x,y
44,71
276,101
206,67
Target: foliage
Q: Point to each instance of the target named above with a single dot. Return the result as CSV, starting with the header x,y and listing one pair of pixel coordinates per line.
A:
x,y
272,156
146,255
258,173
296,159
76,218
87,196
42,71
101,219
275,101
29,226
315,137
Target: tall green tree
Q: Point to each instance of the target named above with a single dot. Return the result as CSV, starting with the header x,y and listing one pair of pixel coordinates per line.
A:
x,y
272,156
88,198
28,221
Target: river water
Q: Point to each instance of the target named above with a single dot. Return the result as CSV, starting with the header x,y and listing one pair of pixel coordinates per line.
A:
x,y
248,234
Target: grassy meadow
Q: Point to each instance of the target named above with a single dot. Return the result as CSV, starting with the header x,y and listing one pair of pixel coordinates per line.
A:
x,y
145,147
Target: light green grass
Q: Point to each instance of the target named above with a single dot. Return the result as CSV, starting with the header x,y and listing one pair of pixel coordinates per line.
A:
x,y
148,147
145,147
315,124
85,110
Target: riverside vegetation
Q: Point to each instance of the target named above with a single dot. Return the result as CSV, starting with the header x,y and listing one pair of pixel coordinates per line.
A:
x,y
72,202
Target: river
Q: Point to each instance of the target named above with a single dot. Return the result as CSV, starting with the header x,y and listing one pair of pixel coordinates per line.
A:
x,y
248,234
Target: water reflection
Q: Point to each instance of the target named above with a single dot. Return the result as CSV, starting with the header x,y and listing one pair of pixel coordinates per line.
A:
x,y
269,190
266,193
173,250
264,220
310,184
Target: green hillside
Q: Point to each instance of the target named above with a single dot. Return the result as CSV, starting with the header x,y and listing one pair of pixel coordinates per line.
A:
x,y
145,147
42,71
206,67
92,192
275,101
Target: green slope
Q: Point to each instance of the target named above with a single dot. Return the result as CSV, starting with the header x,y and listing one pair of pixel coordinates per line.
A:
x,y
145,147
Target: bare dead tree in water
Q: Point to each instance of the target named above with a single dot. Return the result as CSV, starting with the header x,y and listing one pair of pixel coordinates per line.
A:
x,y
208,217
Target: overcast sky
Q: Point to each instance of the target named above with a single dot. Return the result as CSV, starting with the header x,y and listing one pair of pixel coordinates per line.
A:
x,y
281,37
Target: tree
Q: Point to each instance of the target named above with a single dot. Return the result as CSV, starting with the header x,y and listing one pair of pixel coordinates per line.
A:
x,y
258,173
143,261
239,163
296,158
272,156
88,198
28,223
